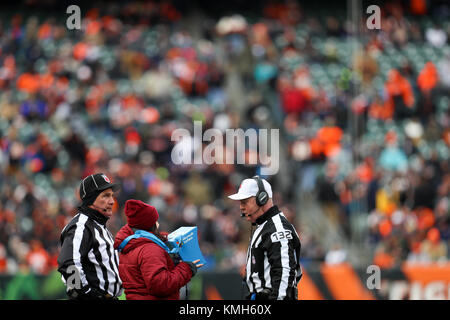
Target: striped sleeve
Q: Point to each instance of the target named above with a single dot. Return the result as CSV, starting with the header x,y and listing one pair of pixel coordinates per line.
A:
x,y
75,244
279,243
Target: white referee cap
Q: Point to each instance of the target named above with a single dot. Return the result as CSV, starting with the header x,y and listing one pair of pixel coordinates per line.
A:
x,y
249,188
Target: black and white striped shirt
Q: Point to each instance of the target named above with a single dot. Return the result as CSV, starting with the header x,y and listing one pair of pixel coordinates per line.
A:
x,y
87,252
273,256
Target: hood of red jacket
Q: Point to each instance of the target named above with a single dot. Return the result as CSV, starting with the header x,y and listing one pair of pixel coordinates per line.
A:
x,y
123,233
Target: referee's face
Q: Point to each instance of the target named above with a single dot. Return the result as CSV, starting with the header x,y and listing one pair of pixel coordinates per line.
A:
x,y
105,202
249,208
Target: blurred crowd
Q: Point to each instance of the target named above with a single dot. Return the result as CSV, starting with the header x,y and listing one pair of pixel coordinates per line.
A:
x,y
108,97
383,142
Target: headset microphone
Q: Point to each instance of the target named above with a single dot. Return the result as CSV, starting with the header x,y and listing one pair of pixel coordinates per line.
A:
x,y
243,215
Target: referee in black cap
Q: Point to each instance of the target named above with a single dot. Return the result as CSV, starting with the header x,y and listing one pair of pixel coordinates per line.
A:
x,y
88,262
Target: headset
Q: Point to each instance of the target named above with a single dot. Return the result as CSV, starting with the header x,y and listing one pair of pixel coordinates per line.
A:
x,y
261,197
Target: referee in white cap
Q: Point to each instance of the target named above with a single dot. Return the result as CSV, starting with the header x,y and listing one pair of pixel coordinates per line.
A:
x,y
273,256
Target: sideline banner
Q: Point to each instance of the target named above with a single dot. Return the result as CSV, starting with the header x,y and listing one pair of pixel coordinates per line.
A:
x,y
319,282
343,282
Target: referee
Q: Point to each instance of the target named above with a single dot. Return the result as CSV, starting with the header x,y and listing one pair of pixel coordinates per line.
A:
x,y
88,262
273,266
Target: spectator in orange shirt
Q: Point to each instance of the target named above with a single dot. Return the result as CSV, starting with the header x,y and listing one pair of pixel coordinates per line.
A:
x,y
380,110
38,259
400,95
383,258
418,7
428,77
434,247
427,81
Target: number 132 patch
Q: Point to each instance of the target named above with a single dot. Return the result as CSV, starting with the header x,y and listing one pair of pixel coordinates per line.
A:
x,y
281,235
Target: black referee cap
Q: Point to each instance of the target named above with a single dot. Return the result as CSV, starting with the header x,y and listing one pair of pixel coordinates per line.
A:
x,y
93,185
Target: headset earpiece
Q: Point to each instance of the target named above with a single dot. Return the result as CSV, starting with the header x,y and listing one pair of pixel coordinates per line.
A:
x,y
261,197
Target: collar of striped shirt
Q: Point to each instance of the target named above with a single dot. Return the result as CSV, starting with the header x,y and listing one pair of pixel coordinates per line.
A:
x,y
94,214
267,215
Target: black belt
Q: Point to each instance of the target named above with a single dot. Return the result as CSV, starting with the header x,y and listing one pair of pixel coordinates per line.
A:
x,y
93,294
291,294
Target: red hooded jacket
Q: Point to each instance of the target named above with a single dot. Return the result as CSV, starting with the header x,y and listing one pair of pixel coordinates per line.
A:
x,y
147,270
